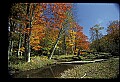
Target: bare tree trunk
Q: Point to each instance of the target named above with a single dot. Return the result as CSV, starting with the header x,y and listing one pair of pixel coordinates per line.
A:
x,y
64,43
75,47
78,54
97,41
27,36
55,45
72,50
31,18
25,45
29,50
19,44
11,49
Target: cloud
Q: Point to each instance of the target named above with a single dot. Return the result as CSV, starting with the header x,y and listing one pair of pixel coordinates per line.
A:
x,y
99,21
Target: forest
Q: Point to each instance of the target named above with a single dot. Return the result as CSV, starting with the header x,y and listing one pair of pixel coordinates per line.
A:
x,y
45,34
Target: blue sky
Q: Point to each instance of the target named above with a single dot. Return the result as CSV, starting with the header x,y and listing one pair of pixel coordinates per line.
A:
x,y
89,14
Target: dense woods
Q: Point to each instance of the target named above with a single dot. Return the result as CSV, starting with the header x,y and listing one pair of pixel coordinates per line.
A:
x,y
107,43
43,34
44,29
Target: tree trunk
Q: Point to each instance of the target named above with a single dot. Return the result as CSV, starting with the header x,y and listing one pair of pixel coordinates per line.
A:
x,y
19,44
72,50
59,36
64,43
11,49
26,48
75,47
9,39
78,54
27,35
31,18
28,60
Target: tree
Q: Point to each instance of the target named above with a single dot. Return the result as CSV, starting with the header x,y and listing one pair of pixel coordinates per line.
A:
x,y
49,39
20,29
113,31
110,42
45,28
96,35
11,30
60,12
81,40
27,14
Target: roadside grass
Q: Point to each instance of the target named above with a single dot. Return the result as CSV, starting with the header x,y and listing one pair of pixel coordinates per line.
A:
x,y
98,70
36,62
41,61
84,57
63,57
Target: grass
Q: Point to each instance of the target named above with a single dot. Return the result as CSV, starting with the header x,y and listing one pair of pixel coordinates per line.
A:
x,y
36,62
102,70
84,57
41,61
63,57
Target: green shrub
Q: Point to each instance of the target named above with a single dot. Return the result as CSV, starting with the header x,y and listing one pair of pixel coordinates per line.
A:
x,y
36,62
16,60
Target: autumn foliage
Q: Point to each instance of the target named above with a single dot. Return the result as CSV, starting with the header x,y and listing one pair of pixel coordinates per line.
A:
x,y
44,25
110,41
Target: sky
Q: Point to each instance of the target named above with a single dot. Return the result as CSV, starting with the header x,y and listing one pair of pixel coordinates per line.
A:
x,y
89,14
